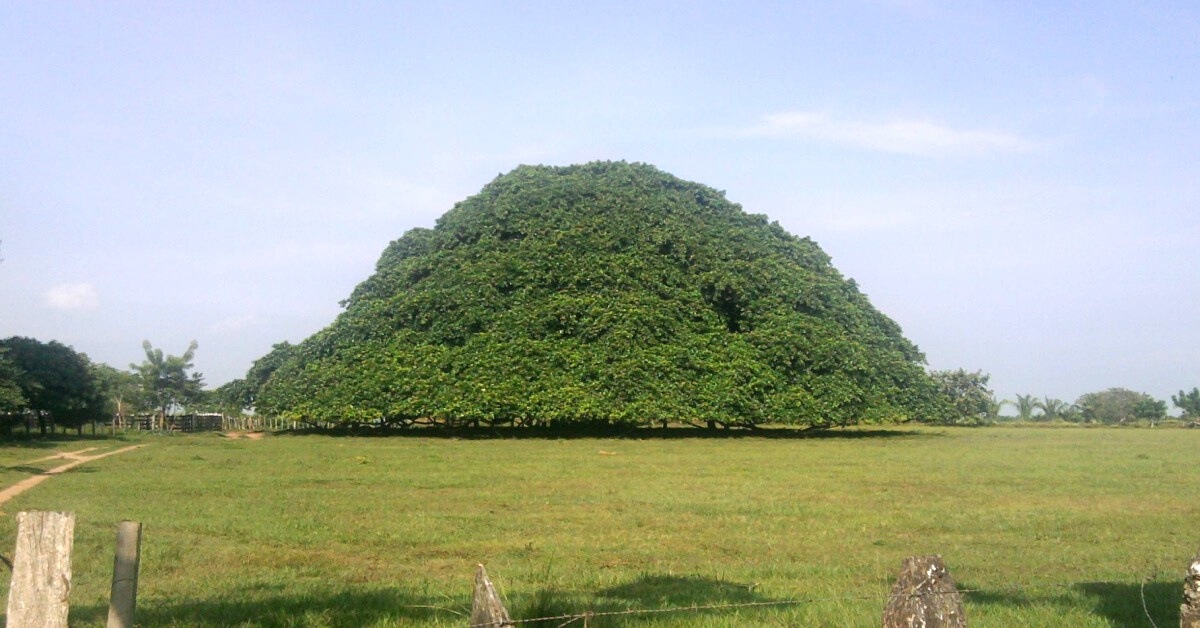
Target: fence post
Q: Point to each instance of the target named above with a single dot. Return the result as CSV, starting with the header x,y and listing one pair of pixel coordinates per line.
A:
x,y
1189,612
924,595
41,578
486,607
122,602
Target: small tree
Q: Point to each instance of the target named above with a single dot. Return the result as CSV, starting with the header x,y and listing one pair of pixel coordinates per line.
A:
x,y
1117,406
1153,410
121,389
969,400
165,382
1189,402
1072,413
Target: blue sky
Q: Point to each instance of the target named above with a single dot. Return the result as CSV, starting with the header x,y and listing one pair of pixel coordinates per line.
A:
x,y
1016,184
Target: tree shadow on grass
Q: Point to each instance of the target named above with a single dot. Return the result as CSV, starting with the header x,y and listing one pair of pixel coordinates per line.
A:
x,y
30,470
1126,604
1120,603
272,607
55,441
26,469
346,608
659,594
617,432
657,590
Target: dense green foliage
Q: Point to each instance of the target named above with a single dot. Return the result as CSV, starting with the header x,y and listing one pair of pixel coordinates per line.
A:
x,y
1119,406
970,401
240,395
1189,402
603,293
53,385
11,398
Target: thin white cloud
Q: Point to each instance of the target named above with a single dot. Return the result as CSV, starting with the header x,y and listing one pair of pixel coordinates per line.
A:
x,y
72,296
909,137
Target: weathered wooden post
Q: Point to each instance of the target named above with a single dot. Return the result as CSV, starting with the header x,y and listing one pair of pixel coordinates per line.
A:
x,y
122,602
1189,612
486,607
924,595
41,578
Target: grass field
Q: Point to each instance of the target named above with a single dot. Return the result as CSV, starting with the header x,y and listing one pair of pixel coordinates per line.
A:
x,y
1044,527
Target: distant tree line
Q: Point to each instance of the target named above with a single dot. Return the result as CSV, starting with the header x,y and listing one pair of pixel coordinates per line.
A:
x,y
46,386
968,400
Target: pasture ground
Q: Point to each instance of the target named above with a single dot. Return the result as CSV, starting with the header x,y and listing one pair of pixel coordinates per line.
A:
x,y
1044,527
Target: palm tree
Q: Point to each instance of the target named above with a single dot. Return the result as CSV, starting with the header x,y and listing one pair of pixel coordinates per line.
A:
x,y
165,381
1025,406
995,407
1051,408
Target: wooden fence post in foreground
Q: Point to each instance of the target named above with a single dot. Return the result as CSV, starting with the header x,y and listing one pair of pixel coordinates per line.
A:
x,y
924,595
123,598
1189,612
41,578
486,607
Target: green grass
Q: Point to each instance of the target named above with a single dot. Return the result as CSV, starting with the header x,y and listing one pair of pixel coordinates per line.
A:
x,y
1045,527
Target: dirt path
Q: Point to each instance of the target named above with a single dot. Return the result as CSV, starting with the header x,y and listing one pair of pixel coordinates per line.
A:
x,y
76,457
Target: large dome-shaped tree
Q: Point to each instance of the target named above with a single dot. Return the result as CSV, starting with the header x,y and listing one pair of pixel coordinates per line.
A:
x,y
605,292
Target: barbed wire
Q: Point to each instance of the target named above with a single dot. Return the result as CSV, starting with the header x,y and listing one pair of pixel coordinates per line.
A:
x,y
1145,607
570,618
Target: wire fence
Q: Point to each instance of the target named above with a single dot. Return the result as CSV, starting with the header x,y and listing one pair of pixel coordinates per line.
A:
x,y
582,618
